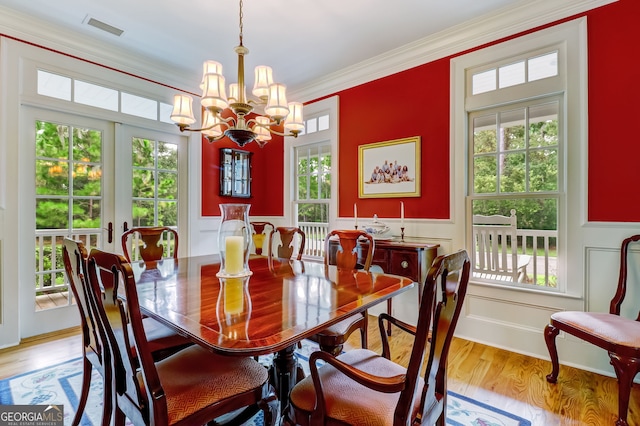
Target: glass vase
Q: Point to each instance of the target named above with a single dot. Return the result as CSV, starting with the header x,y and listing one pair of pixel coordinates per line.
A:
x,y
234,239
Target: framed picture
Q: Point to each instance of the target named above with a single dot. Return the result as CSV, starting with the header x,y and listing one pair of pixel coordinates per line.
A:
x,y
389,169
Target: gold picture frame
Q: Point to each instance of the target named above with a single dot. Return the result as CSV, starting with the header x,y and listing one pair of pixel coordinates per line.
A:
x,y
389,169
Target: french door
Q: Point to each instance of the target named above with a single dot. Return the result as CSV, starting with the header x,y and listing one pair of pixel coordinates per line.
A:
x,y
84,178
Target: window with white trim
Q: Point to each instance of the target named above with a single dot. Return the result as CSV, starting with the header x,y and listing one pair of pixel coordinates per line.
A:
x,y
516,125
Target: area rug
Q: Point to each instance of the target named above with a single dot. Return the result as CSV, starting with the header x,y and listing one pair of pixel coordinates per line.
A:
x,y
60,384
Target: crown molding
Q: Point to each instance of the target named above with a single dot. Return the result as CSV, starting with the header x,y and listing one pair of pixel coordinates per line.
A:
x,y
87,47
511,20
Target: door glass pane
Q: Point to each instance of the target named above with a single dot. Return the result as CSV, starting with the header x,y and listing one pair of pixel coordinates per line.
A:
x,y
143,152
167,156
143,183
167,213
143,213
68,200
154,183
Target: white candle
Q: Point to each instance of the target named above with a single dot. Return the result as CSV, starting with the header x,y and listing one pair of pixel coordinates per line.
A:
x,y
402,214
234,261
355,213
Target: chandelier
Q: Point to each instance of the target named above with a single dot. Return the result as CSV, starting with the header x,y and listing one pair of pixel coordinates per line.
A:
x,y
271,98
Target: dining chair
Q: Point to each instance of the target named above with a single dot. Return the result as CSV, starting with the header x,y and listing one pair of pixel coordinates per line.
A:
x,y
74,256
618,335
192,386
332,338
150,243
289,242
164,341
362,387
261,234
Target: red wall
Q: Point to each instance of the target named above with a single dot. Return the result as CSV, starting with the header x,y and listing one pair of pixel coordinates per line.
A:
x,y
416,103
266,171
614,90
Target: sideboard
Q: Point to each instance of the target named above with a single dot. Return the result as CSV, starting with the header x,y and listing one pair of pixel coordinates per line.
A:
x,y
408,257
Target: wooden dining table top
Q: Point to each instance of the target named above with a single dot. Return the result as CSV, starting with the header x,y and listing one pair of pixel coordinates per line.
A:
x,y
280,304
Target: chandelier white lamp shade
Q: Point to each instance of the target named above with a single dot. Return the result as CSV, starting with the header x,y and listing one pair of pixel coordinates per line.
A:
x,y
239,127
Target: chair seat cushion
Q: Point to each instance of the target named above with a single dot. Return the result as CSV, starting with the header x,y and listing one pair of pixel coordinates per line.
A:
x,y
346,400
195,378
611,328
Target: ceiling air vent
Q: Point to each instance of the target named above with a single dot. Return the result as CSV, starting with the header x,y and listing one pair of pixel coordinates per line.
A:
x,y
103,26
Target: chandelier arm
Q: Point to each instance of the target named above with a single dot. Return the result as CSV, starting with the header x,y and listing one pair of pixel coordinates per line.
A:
x,y
213,139
275,132
223,121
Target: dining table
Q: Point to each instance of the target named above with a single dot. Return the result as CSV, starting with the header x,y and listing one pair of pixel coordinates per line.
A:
x,y
281,302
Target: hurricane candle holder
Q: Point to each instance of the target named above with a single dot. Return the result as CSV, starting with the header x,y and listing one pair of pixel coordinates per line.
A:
x,y
234,239
233,308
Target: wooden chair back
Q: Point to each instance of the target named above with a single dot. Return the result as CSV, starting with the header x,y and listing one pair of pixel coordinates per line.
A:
x,y
287,242
388,393
112,274
74,257
495,248
261,237
347,255
94,348
150,243
440,307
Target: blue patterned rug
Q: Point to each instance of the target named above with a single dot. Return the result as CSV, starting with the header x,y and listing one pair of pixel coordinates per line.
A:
x,y
60,384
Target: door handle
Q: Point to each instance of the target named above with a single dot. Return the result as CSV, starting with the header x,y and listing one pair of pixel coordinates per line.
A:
x,y
125,226
110,232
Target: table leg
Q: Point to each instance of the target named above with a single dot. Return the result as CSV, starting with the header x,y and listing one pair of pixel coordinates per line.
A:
x,y
284,374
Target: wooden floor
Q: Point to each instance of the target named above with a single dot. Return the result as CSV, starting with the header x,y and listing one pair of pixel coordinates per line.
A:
x,y
513,382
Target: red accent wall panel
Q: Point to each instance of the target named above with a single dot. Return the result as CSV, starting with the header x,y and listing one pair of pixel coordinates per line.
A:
x,y
412,103
267,181
614,90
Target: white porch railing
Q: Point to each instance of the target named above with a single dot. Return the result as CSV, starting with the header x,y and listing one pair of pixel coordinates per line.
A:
x,y
50,275
543,268
315,233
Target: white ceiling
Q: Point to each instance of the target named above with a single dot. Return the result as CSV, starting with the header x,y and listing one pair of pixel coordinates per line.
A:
x,y
308,43
302,40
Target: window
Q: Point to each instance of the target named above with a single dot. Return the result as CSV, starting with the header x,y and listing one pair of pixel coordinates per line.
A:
x,y
515,114
313,179
85,93
515,166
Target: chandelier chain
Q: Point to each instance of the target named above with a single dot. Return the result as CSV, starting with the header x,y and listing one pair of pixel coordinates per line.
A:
x,y
241,26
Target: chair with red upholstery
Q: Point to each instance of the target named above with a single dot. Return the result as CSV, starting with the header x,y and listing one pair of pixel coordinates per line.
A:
x,y
363,387
618,335
191,387
150,243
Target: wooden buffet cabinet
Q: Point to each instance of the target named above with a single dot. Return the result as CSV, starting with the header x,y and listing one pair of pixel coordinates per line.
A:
x,y
409,258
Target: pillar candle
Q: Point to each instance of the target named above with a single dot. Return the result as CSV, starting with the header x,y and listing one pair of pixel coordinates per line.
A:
x,y
234,248
402,214
355,213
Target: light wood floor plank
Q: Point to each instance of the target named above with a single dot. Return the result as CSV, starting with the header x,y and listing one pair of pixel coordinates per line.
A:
x,y
513,382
